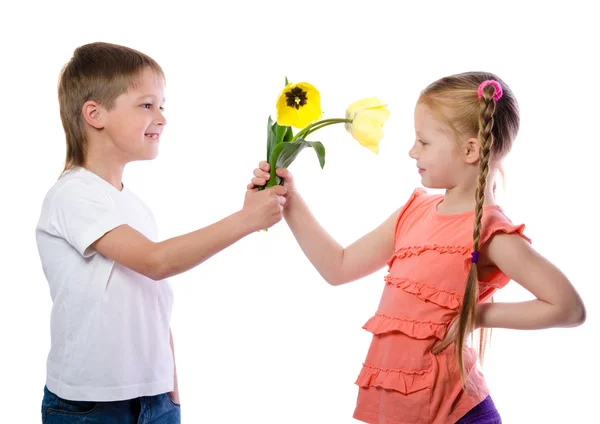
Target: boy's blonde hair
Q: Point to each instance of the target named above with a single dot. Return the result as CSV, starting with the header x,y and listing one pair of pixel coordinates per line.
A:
x,y
100,72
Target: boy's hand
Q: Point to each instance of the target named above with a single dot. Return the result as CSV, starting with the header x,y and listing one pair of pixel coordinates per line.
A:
x,y
174,395
263,209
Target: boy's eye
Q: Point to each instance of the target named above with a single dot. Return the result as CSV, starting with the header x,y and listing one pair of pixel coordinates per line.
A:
x,y
149,106
422,142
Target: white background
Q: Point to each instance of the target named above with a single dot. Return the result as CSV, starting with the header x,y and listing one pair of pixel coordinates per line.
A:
x,y
259,336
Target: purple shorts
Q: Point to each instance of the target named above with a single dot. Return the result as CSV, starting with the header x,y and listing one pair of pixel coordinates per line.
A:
x,y
484,413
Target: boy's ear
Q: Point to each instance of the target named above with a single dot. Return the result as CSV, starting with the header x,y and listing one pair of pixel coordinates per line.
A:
x,y
471,150
93,113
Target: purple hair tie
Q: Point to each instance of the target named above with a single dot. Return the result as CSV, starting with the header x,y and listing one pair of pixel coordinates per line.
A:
x,y
475,257
496,85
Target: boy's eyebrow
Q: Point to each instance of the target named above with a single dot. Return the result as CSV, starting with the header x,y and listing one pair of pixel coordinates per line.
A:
x,y
145,96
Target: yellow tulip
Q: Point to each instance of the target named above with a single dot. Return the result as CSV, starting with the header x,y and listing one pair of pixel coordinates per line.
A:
x,y
298,105
368,116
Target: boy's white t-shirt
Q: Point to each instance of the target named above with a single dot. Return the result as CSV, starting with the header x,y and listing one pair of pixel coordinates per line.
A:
x,y
109,325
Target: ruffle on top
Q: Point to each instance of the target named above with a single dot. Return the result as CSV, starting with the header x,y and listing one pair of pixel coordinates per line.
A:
x,y
393,379
382,323
503,227
444,298
498,280
408,251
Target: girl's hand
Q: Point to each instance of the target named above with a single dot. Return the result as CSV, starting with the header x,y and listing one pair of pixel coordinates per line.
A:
x,y
452,333
262,175
448,339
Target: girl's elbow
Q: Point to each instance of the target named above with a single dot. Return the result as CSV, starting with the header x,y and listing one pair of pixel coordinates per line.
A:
x,y
579,315
574,315
333,281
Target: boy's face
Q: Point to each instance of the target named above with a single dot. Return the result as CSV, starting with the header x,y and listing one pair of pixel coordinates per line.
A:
x,y
135,122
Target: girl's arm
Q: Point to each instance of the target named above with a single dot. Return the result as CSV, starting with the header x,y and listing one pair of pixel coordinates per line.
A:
x,y
338,265
557,303
165,259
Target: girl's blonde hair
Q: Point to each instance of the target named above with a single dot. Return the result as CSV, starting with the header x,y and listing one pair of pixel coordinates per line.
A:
x,y
100,72
454,100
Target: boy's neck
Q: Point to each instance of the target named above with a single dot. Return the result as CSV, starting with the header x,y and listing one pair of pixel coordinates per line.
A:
x,y
103,160
111,173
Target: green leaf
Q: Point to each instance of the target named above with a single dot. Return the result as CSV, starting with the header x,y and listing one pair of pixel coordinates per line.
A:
x,y
289,134
320,150
289,152
280,132
271,141
285,153
271,137
286,82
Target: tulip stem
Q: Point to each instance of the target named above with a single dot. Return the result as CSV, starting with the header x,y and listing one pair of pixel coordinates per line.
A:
x,y
301,134
318,125
273,163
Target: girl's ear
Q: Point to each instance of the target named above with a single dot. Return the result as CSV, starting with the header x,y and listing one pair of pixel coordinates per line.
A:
x,y
471,150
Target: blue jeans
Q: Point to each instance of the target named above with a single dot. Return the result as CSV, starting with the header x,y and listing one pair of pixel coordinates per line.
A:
x,y
159,409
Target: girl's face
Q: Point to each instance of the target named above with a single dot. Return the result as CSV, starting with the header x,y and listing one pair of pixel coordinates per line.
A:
x,y
440,159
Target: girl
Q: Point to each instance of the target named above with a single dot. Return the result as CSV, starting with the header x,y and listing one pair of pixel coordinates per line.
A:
x,y
111,357
446,256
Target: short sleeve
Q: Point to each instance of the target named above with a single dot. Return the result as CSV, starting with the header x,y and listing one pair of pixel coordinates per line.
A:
x,y
81,213
403,211
505,227
498,223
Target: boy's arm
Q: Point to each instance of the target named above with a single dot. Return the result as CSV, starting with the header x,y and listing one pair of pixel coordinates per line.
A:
x,y
176,255
175,393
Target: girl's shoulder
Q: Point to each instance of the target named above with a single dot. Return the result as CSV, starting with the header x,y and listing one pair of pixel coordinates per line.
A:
x,y
495,221
415,209
419,200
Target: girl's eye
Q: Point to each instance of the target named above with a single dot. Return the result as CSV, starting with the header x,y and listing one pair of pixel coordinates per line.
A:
x,y
162,109
423,143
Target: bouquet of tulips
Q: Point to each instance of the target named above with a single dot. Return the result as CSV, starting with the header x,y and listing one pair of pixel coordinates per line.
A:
x,y
299,106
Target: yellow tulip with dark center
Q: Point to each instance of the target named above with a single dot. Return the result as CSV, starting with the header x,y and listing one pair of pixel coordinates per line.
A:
x,y
367,116
298,105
